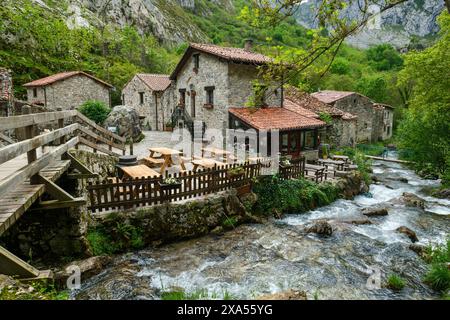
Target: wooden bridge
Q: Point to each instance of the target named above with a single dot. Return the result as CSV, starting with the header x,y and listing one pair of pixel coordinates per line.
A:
x,y
26,172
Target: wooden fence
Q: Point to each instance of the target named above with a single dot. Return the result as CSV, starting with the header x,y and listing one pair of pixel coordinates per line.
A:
x,y
132,193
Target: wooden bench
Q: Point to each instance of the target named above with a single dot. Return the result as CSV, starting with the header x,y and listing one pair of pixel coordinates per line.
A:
x,y
154,162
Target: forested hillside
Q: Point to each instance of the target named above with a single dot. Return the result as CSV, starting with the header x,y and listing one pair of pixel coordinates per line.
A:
x,y
38,40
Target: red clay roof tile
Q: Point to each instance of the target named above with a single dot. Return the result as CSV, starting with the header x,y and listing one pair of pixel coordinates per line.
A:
x,y
62,76
331,96
271,118
156,82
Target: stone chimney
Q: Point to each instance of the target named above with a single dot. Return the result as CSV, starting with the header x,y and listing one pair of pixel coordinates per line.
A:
x,y
248,46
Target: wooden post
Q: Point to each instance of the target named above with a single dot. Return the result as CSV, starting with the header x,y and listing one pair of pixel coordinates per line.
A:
x,y
131,146
62,140
29,133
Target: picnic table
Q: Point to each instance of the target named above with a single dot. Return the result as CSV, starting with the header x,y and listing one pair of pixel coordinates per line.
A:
x,y
327,162
168,155
341,158
140,171
217,153
206,163
318,171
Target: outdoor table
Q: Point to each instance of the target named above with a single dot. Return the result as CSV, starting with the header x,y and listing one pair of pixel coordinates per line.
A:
x,y
319,171
342,158
169,155
140,171
206,163
338,164
216,152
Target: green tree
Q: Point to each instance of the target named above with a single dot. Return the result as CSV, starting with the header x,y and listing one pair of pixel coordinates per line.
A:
x,y
384,57
425,130
375,87
95,110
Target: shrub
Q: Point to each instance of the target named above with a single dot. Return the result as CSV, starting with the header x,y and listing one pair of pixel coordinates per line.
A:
x,y
395,282
95,110
438,277
292,196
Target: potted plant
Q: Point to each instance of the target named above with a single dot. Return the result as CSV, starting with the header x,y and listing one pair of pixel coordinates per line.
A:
x,y
169,184
285,163
235,172
169,127
324,152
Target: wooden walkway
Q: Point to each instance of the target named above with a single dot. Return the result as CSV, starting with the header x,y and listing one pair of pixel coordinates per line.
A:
x,y
16,202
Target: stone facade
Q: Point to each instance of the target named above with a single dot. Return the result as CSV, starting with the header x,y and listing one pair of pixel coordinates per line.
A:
x,y
232,85
362,107
69,93
383,122
342,132
6,92
155,108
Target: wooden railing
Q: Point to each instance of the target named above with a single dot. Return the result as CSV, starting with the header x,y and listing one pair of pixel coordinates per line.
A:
x,y
79,130
132,193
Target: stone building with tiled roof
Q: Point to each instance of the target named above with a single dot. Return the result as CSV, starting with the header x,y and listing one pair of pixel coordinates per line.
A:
x,y
375,121
152,97
67,90
340,132
209,79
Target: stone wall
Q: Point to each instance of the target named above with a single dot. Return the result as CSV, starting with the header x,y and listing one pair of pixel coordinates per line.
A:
x,y
383,123
342,133
212,72
241,79
184,220
51,235
157,107
70,93
102,164
363,108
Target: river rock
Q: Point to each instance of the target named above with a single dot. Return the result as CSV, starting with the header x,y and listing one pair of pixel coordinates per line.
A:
x,y
358,222
285,295
126,120
443,194
374,212
408,232
88,268
321,227
420,249
412,200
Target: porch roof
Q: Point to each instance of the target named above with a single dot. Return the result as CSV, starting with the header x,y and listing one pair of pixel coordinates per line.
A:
x,y
271,118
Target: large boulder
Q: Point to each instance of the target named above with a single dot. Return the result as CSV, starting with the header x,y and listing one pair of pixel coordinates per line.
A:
x,y
126,120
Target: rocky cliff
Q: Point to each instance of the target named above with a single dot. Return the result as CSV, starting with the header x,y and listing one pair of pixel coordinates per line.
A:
x,y
170,21
397,26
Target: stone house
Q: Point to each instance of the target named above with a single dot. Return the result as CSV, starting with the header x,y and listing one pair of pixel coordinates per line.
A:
x,y
371,121
209,79
340,132
151,96
68,90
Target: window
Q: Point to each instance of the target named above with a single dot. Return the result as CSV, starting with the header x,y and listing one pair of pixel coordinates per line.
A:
x,y
34,92
123,99
389,130
210,95
182,97
309,140
193,104
196,61
141,97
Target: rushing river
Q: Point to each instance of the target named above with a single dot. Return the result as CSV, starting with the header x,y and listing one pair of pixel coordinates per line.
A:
x,y
252,260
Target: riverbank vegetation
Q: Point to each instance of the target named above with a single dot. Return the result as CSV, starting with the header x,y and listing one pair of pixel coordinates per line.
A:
x,y
36,290
291,196
424,133
438,276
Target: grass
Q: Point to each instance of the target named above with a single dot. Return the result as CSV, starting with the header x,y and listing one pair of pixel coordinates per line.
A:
x,y
395,282
438,276
37,290
291,196
116,238
229,222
